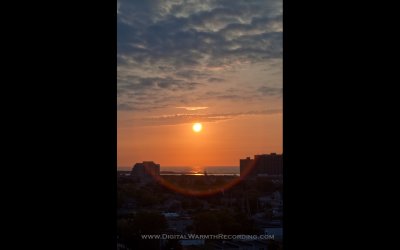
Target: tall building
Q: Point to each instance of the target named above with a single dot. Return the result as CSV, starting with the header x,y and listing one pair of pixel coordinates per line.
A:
x,y
245,164
265,164
145,170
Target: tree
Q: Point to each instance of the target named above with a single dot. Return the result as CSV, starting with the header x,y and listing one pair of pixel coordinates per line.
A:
x,y
131,229
206,223
149,223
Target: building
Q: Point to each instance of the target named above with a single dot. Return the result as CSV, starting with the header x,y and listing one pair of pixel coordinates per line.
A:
x,y
145,170
246,164
265,164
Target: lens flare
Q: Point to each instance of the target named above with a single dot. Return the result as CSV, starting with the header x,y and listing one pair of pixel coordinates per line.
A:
x,y
200,193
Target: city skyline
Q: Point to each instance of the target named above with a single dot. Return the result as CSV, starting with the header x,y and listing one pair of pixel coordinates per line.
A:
x,y
238,164
216,63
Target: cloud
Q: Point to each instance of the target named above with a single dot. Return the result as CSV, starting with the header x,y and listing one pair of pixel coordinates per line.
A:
x,y
192,108
191,74
124,107
136,84
270,91
174,119
215,79
167,51
147,93
184,34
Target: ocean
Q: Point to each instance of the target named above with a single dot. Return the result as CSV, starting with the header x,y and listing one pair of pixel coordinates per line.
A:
x,y
197,170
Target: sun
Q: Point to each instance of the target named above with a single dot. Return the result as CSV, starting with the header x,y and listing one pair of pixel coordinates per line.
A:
x,y
197,127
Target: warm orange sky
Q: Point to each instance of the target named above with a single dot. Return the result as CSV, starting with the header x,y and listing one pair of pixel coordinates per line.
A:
x,y
220,143
212,62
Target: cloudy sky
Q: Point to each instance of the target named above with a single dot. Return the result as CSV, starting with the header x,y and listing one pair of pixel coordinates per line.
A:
x,y
218,62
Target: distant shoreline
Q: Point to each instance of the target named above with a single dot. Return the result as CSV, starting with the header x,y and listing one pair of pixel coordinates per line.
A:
x,y
186,170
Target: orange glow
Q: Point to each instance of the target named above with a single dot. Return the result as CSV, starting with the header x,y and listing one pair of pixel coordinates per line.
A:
x,y
221,144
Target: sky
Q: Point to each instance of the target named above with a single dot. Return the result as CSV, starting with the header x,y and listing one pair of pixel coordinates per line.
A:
x,y
217,62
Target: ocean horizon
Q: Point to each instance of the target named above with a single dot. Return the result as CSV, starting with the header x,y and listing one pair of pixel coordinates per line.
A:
x,y
193,170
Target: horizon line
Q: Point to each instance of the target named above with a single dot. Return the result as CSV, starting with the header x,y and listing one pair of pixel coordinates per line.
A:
x,y
188,166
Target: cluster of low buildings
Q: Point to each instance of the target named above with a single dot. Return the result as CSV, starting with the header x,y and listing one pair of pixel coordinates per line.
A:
x,y
180,222
262,165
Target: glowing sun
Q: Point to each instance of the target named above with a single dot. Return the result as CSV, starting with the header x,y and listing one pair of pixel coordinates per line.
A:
x,y
197,127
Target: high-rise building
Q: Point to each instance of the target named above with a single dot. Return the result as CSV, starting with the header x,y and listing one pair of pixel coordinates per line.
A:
x,y
145,169
265,164
246,165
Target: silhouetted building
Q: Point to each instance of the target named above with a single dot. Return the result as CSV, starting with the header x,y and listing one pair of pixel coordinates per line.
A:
x,y
145,170
245,164
266,164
